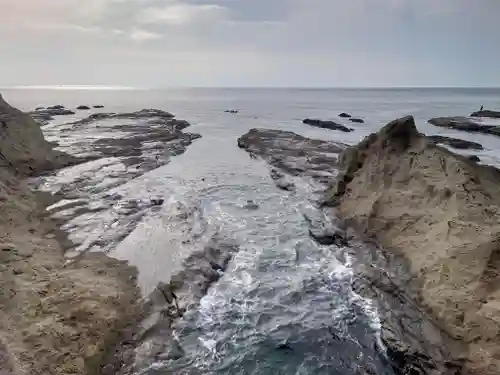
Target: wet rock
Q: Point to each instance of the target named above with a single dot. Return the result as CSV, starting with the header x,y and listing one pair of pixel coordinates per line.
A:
x,y
326,125
51,111
231,111
455,142
41,117
344,115
173,352
324,231
83,107
157,116
486,113
293,154
465,124
357,120
56,107
251,205
474,158
281,180
157,201
98,106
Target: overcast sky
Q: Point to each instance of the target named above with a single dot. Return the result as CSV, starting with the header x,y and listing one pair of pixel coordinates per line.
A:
x,y
162,43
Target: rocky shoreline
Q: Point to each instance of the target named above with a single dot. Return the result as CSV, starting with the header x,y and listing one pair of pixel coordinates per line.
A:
x,y
435,215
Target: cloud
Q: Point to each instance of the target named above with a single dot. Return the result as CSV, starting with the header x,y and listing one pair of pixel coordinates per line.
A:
x,y
139,35
178,13
250,42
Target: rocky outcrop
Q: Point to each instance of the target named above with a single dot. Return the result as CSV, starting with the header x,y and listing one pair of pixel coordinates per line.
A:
x,y
293,154
83,107
326,125
486,113
460,144
55,317
98,106
344,115
465,124
441,213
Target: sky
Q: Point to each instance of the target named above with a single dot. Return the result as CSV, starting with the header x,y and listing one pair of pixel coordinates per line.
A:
x,y
247,43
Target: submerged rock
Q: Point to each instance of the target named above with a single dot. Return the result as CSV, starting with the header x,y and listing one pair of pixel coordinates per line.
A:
x,y
441,213
461,144
486,113
326,125
251,205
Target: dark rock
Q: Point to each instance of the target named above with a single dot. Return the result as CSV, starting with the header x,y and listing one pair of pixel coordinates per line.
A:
x,y
324,231
455,142
281,180
157,201
344,115
98,106
231,111
251,205
51,111
56,107
486,113
465,124
357,120
39,108
474,158
82,107
326,125
293,154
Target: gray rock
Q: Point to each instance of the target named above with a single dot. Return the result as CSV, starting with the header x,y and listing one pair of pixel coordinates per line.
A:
x,y
455,142
326,125
82,107
344,115
357,120
486,113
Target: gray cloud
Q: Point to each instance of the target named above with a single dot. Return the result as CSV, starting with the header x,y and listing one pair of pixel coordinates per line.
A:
x,y
250,42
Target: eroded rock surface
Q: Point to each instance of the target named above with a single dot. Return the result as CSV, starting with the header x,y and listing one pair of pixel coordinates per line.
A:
x,y
293,154
441,212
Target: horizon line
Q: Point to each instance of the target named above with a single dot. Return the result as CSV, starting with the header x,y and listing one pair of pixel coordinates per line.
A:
x,y
120,87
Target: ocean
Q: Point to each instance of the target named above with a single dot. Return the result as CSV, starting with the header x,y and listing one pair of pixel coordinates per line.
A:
x,y
269,296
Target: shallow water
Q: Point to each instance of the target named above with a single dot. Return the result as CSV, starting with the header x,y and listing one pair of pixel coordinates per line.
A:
x,y
285,305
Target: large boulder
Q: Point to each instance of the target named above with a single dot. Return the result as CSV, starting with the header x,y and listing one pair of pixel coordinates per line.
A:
x,y
486,113
441,212
326,125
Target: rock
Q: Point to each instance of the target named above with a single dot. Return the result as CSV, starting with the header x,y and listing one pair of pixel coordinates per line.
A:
x,y
251,205
344,115
455,142
56,107
323,231
98,106
326,125
51,111
465,124
474,158
82,107
486,113
281,180
231,111
357,120
157,201
293,154
39,108
441,214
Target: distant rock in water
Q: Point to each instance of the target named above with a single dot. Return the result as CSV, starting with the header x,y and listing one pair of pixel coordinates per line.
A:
x,y
83,107
43,115
465,124
344,115
231,111
326,125
251,205
486,113
357,120
98,106
55,107
455,142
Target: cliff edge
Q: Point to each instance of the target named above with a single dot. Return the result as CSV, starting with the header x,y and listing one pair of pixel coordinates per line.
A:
x,y
55,317
442,212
